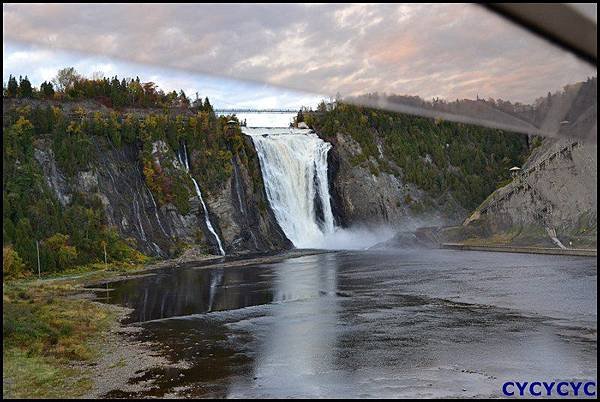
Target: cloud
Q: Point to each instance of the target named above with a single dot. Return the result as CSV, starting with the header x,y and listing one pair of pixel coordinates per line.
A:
x,y
446,50
42,64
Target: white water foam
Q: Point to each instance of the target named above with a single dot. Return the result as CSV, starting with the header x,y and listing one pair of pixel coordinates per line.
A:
x,y
294,168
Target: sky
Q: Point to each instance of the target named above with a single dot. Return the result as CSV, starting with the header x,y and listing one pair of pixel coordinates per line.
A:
x,y
41,64
304,52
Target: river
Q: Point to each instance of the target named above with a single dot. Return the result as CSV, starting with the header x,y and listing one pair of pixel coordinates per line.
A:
x,y
423,323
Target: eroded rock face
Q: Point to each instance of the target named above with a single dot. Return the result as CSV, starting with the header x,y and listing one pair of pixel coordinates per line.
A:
x,y
132,207
54,177
245,226
360,197
555,192
116,178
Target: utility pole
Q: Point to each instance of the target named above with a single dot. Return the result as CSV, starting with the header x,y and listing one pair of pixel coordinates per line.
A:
x,y
37,246
105,259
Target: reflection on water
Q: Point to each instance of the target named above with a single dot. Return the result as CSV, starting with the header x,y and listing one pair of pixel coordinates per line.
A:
x,y
367,324
192,291
215,280
302,331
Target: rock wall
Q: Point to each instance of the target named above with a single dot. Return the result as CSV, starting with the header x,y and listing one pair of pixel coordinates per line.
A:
x,y
130,207
552,203
245,218
555,196
361,197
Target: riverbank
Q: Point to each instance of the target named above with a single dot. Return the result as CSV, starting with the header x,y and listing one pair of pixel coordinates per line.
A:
x,y
519,249
58,341
206,262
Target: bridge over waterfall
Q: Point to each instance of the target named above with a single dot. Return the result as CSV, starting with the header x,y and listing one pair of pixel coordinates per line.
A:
x,y
240,110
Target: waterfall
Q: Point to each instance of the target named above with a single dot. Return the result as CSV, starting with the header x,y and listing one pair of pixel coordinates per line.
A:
x,y
156,211
207,218
238,187
184,158
294,168
136,211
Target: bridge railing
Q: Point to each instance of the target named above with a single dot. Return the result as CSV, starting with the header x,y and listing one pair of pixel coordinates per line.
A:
x,y
233,111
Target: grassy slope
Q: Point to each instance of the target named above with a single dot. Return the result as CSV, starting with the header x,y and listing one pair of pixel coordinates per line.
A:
x,y
49,334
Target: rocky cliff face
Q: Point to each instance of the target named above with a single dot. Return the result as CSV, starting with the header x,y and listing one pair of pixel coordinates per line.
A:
x,y
362,197
245,218
116,178
552,201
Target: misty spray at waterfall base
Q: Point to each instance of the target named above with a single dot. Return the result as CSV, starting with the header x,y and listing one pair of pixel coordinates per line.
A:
x,y
294,168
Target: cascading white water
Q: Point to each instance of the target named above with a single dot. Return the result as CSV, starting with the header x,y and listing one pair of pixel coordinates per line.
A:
x,y
156,212
136,211
199,194
207,218
294,168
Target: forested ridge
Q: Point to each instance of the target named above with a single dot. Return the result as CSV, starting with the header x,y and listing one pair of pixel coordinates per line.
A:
x,y
466,161
77,233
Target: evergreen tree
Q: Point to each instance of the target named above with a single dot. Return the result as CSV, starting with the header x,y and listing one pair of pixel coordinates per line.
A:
x,y
25,242
207,106
183,99
47,89
197,104
12,88
25,88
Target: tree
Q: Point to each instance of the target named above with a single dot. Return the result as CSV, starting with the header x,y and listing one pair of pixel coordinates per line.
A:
x,y
207,106
12,265
197,104
12,88
62,254
136,91
25,243
183,99
47,89
19,138
25,88
322,107
149,93
65,79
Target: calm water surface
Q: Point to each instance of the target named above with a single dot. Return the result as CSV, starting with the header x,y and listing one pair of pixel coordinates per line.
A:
x,y
368,324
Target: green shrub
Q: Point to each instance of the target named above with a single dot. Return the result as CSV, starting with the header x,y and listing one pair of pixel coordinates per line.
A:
x,y
12,265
